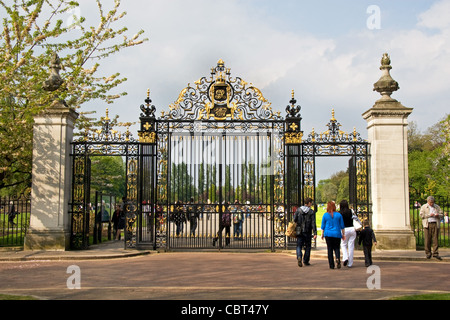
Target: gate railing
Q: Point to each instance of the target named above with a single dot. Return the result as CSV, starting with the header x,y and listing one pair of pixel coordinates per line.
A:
x,y
416,221
14,220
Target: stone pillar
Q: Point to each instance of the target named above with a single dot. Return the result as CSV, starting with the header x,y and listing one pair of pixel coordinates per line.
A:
x,y
51,179
51,173
387,134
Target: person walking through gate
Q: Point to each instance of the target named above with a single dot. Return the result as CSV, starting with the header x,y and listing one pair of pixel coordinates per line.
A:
x,y
224,223
305,217
366,237
118,220
179,217
431,215
238,219
333,230
348,245
192,215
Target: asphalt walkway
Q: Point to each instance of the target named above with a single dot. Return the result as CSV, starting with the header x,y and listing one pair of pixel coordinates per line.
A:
x,y
109,272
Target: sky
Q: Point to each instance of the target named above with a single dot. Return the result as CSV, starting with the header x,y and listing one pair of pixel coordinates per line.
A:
x,y
328,51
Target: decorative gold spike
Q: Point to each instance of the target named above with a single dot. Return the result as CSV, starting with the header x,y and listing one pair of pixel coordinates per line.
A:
x,y
332,115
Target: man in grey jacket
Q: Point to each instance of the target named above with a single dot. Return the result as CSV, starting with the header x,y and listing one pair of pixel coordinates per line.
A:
x,y
305,217
431,215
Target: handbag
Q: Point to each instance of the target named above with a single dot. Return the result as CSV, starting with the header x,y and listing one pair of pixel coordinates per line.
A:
x,y
357,225
291,230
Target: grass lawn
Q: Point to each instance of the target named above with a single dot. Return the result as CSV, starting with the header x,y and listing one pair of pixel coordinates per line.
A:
x,y
431,296
319,214
14,297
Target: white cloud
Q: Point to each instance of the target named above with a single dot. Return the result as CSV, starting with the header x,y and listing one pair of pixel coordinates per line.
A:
x,y
437,16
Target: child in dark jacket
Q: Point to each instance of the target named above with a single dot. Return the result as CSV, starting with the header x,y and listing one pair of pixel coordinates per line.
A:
x,y
366,237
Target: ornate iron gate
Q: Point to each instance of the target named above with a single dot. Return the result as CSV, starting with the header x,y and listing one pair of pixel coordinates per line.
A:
x,y
103,142
220,169
218,151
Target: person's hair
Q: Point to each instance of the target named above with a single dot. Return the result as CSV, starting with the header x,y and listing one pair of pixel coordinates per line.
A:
x,y
430,198
331,207
343,206
366,223
308,200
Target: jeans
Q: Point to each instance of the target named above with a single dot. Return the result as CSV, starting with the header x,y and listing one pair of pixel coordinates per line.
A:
x,y
348,245
238,229
304,240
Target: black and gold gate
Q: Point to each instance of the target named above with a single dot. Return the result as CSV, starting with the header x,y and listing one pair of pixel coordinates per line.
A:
x,y
219,169
103,142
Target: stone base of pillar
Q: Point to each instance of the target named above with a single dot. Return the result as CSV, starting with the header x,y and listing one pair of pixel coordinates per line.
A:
x,y
49,240
395,240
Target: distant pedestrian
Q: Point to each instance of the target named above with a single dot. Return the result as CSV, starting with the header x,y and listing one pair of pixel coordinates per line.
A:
x,y
368,239
333,230
225,223
238,220
118,220
431,215
192,215
179,217
12,214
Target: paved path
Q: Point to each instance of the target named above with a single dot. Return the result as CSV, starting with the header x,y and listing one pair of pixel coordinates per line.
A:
x,y
109,272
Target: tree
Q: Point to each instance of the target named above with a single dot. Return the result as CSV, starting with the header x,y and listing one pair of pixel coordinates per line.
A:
x,y
33,31
108,175
428,159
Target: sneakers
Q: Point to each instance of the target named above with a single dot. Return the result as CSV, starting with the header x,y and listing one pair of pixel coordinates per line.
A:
x,y
299,262
338,264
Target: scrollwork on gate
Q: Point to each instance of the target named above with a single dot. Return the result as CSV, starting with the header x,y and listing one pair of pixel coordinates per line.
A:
x,y
221,97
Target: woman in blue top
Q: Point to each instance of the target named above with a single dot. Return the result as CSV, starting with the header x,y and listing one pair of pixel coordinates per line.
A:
x,y
333,230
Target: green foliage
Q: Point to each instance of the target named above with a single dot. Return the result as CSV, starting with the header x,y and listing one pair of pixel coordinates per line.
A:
x,y
428,160
108,175
334,189
32,31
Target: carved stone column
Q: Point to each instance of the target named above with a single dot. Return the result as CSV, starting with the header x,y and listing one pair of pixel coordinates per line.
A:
x,y
387,134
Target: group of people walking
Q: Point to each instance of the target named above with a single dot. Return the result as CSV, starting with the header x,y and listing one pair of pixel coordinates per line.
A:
x,y
338,231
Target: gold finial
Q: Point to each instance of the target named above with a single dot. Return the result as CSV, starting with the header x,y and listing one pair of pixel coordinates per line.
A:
x,y
220,63
293,93
107,115
332,115
148,93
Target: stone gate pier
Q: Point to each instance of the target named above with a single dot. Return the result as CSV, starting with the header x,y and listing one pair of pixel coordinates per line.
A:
x,y
387,133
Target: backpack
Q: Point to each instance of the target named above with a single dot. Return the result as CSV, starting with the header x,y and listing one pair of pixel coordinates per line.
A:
x,y
302,222
226,219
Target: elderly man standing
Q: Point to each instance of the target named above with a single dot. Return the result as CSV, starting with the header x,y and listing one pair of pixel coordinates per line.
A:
x,y
431,215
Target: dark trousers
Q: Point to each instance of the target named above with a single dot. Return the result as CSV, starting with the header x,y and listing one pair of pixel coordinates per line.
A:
x,y
304,241
333,246
367,255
